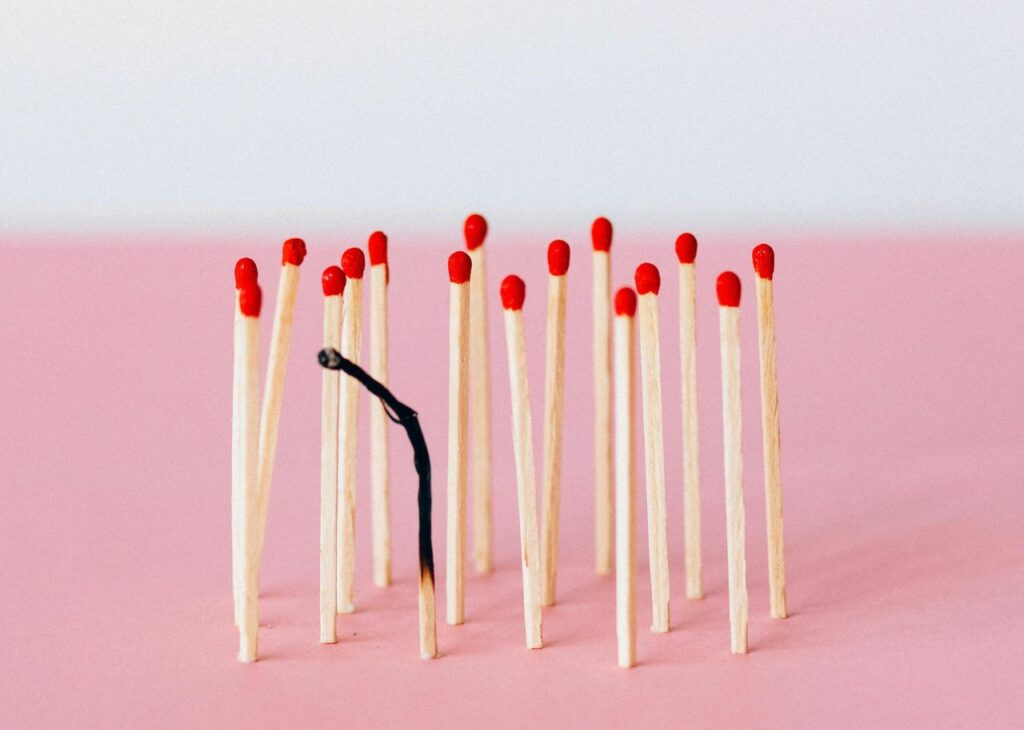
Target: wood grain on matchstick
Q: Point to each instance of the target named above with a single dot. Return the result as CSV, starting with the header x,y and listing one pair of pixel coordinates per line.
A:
x,y
380,500
625,543
459,267
601,236
249,302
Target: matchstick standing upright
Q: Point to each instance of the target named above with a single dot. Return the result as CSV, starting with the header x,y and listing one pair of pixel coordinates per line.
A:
x,y
601,237
245,273
554,408
292,254
648,283
686,252
475,231
333,281
380,500
353,264
764,267
625,544
459,270
728,290
513,293
248,349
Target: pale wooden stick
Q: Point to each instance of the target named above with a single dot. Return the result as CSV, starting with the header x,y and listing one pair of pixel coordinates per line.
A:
x,y
691,448
428,616
249,455
648,282
764,262
601,233
237,494
480,405
379,490
554,410
512,297
729,332
625,544
458,394
334,286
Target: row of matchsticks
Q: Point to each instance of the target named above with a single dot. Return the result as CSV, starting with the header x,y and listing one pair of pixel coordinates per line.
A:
x,y
255,428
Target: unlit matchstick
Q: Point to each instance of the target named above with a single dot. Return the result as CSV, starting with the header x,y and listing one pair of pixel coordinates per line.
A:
x,y
245,273
248,348
625,544
380,500
601,236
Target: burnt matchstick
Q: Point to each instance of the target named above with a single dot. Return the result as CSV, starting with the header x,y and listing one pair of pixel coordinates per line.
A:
x,y
245,273
380,510
625,545
247,347
408,419
601,236
459,271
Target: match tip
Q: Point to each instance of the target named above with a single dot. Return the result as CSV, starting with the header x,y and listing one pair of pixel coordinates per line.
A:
x,y
475,231
728,289
245,271
648,279
353,263
459,267
601,234
250,299
378,248
625,302
558,257
686,248
293,252
513,292
333,281
764,260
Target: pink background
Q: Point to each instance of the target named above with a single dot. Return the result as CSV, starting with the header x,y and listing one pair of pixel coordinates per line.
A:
x,y
901,387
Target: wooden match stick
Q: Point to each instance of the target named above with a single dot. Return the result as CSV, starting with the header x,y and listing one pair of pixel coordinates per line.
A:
x,y
245,272
554,409
601,236
764,267
380,505
625,545
728,289
475,231
513,293
353,264
686,251
648,282
248,348
333,282
292,254
459,269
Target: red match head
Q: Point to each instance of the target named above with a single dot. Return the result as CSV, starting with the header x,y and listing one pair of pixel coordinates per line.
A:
x,y
764,261
378,248
513,292
333,281
647,278
245,271
353,263
728,289
625,302
601,234
250,299
459,267
558,258
293,251
475,231
686,248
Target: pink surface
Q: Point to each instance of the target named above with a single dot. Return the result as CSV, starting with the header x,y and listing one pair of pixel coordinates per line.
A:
x,y
901,392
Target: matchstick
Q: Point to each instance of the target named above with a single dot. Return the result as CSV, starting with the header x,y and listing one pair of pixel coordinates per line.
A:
x,y
352,264
764,267
248,348
459,269
475,231
292,254
625,545
245,272
728,290
513,293
686,251
380,504
333,282
648,282
601,236
554,409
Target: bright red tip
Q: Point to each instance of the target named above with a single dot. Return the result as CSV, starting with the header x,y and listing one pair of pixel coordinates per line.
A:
x,y
475,231
625,302
459,267
245,271
558,258
513,292
293,252
728,288
764,260
250,299
601,234
378,248
647,278
333,281
686,248
353,263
